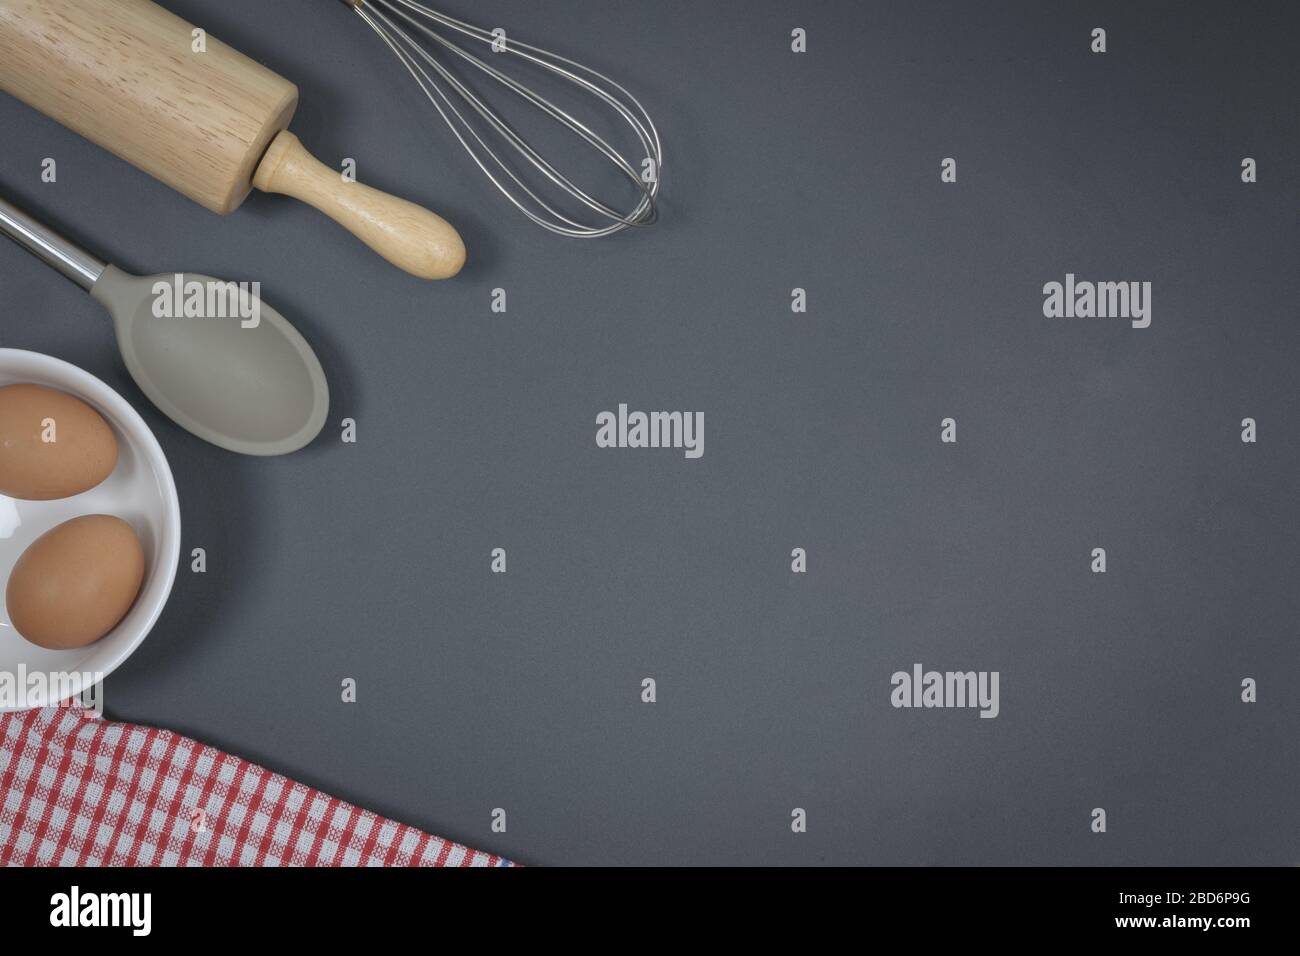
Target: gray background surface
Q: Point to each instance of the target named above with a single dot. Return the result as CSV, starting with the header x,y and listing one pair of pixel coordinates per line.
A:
x,y
476,430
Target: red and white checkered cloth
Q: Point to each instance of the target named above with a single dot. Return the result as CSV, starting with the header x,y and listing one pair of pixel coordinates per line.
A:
x,y
76,790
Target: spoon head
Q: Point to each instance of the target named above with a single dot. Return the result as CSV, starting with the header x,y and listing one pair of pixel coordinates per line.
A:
x,y
216,360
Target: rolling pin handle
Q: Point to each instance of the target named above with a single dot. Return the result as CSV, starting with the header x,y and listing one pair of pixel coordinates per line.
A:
x,y
409,236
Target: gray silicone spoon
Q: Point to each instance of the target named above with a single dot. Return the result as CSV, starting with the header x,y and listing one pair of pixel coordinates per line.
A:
x,y
254,389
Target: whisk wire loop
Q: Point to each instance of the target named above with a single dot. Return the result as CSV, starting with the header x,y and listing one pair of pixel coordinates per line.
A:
x,y
395,22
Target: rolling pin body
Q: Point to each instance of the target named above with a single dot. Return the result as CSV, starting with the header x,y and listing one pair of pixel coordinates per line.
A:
x,y
124,74
201,117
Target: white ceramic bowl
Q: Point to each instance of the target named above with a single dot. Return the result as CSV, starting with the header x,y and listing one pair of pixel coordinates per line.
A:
x,y
140,491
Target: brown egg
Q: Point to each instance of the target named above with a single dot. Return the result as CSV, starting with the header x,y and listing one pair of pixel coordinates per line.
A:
x,y
52,444
75,582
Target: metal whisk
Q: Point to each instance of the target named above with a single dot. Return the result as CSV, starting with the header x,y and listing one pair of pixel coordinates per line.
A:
x,y
415,32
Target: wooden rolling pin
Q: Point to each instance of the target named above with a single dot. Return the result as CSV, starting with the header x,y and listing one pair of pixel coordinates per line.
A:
x,y
211,124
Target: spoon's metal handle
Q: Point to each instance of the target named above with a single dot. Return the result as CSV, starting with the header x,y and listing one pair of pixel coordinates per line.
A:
x,y
47,245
